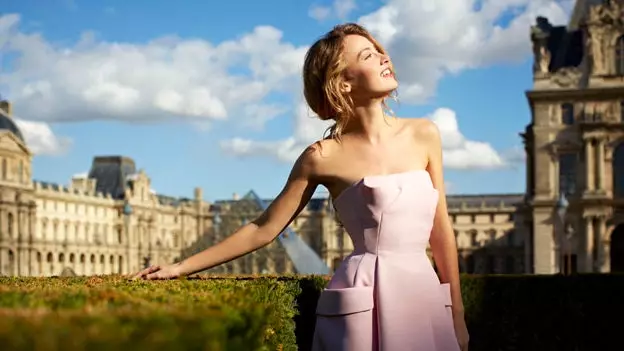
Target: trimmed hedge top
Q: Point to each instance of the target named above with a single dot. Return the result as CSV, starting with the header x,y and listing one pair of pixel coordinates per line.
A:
x,y
579,312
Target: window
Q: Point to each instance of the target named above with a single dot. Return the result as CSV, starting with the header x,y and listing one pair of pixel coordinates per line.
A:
x,y
618,171
511,238
492,235
20,171
336,263
4,169
473,238
619,56
567,173
567,114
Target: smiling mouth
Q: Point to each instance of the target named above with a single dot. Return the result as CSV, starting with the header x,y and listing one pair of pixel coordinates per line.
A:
x,y
386,73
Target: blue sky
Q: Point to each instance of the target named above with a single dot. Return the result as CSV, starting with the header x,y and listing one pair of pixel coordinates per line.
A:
x,y
208,93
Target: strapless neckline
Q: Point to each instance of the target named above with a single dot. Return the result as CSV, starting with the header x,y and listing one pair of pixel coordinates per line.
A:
x,y
375,176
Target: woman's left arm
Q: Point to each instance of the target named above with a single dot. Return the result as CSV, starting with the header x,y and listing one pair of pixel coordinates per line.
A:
x,y
442,240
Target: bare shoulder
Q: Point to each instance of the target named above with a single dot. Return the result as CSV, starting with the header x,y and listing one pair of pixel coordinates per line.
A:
x,y
423,129
313,159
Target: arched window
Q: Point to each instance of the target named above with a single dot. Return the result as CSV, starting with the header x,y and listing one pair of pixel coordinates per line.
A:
x,y
567,113
618,170
619,56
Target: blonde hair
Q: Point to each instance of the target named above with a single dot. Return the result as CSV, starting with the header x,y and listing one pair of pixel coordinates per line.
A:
x,y
323,75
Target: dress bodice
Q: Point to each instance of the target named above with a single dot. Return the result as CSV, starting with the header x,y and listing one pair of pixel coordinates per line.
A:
x,y
392,212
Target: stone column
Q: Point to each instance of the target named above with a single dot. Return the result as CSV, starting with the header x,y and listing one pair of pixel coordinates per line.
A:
x,y
589,244
604,245
3,220
589,166
600,160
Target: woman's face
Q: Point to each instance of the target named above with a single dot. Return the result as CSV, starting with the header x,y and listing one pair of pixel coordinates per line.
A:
x,y
369,74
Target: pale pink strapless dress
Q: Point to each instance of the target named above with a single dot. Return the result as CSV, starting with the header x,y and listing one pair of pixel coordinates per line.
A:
x,y
385,296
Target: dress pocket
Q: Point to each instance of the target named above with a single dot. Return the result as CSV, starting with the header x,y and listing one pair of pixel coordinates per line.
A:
x,y
340,302
345,319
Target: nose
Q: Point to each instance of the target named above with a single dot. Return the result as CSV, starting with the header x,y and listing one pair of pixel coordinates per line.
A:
x,y
385,59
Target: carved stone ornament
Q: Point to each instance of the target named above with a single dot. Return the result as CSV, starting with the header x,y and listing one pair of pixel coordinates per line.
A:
x,y
567,77
595,43
601,21
609,13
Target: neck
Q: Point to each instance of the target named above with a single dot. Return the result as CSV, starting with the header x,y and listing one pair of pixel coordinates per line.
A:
x,y
369,122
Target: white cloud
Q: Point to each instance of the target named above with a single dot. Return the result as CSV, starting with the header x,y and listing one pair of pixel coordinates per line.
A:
x,y
459,152
430,39
40,138
340,9
200,82
308,128
166,78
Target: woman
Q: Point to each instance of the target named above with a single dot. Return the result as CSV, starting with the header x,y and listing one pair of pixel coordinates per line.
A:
x,y
385,177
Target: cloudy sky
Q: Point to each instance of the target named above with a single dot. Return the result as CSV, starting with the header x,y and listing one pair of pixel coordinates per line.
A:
x,y
208,93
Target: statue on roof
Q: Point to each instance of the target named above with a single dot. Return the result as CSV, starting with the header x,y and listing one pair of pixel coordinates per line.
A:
x,y
540,32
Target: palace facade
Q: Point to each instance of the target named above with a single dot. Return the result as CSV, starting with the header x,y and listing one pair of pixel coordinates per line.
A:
x,y
569,219
110,221
574,203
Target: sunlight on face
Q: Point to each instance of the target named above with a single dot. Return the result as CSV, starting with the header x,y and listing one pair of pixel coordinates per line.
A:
x,y
369,72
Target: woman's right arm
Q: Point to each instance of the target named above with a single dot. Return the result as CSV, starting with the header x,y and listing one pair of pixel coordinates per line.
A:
x,y
295,195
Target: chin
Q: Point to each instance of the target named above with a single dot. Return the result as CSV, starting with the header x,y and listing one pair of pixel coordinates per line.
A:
x,y
385,91
389,86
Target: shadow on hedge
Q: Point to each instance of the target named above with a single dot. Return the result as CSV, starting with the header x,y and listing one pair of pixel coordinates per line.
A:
x,y
520,312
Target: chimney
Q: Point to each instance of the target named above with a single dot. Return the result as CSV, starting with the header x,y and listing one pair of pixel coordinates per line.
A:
x,y
199,194
5,106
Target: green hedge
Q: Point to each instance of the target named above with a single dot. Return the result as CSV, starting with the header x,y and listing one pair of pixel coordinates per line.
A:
x,y
107,313
579,312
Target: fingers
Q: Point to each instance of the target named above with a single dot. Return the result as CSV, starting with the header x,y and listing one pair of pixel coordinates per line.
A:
x,y
157,275
146,272
153,276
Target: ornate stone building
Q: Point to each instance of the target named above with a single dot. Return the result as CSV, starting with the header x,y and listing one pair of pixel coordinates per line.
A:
x,y
570,218
484,227
574,204
110,221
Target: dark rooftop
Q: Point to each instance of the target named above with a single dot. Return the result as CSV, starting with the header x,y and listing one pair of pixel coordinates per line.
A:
x,y
111,174
7,123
